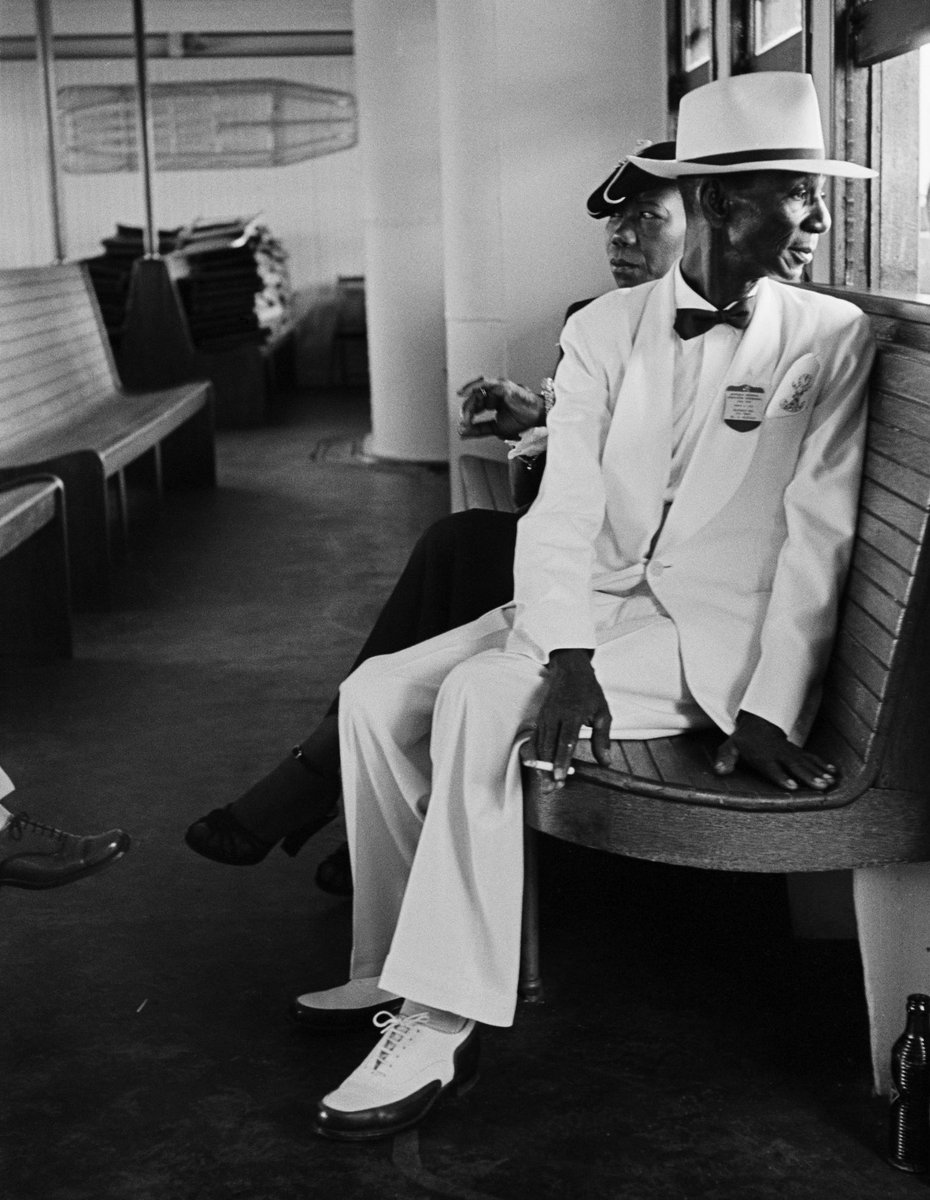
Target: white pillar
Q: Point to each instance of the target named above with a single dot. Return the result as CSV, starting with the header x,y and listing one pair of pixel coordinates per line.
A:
x,y
538,99
397,82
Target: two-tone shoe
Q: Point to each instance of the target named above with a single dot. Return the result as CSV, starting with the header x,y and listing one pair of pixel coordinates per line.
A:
x,y
350,1006
405,1076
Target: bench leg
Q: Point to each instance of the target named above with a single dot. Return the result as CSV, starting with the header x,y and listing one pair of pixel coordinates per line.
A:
x,y
189,452
35,603
52,586
88,510
158,475
893,916
122,512
530,988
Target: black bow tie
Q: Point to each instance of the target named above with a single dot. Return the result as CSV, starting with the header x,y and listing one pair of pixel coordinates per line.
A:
x,y
692,322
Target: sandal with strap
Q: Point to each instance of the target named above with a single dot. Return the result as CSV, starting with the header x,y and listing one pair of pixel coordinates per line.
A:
x,y
278,805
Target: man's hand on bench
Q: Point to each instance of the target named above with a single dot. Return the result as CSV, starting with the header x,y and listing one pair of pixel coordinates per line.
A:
x,y
500,408
573,698
759,744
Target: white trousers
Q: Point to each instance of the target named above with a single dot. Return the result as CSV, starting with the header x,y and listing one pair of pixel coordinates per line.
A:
x,y
429,739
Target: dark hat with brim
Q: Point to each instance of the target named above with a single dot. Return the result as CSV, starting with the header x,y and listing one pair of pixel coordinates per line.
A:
x,y
627,179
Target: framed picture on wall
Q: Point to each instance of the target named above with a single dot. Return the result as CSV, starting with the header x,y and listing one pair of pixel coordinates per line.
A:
x,y
774,22
696,29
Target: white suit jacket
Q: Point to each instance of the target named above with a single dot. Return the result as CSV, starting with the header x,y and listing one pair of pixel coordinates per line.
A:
x,y
754,550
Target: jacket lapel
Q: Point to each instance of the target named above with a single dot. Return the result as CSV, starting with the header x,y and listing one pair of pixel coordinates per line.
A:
x,y
637,456
722,455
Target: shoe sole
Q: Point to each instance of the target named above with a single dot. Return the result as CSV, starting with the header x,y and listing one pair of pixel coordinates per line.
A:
x,y
44,886
455,1087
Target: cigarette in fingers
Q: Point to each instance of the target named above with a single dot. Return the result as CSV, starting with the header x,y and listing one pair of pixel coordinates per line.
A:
x,y
539,765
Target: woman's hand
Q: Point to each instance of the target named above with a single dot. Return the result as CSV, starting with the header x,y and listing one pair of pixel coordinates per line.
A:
x,y
512,409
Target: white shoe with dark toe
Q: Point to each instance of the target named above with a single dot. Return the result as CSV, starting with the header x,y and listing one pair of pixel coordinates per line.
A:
x,y
401,1080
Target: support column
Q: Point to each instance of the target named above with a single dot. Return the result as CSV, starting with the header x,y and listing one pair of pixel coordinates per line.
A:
x,y
537,102
471,122
397,84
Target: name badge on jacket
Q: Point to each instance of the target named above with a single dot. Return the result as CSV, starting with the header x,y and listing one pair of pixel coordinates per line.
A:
x,y
743,406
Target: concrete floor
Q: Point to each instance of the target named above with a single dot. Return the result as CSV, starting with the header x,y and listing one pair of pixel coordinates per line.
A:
x,y
688,1046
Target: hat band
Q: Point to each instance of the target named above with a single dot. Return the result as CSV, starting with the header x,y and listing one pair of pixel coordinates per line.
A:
x,y
745,156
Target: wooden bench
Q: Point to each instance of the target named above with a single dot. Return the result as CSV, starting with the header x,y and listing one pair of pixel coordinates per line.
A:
x,y
662,801
35,608
64,410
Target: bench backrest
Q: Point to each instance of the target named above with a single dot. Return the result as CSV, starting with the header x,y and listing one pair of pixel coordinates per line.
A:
x,y
882,651
55,361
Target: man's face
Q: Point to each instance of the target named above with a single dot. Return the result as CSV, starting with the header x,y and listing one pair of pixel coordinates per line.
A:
x,y
776,218
645,235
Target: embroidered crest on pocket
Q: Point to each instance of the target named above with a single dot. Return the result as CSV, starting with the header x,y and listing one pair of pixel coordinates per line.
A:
x,y
799,388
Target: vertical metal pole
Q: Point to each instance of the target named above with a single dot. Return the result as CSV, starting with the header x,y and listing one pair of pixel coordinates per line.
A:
x,y
146,129
46,59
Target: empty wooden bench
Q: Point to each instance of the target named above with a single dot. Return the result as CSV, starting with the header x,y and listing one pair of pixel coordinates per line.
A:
x,y
35,608
661,800
64,410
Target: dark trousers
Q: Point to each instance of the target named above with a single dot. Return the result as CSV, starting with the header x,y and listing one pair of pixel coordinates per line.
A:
x,y
461,567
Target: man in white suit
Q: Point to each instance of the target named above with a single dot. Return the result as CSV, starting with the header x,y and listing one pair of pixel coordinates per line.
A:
x,y
681,567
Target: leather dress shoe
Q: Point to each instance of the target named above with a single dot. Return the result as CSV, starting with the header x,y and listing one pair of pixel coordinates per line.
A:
x,y
351,1006
404,1077
33,855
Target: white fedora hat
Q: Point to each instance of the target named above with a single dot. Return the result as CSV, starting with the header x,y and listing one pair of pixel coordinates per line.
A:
x,y
767,121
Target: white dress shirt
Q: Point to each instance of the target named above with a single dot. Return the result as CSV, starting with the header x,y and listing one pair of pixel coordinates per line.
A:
x,y
701,365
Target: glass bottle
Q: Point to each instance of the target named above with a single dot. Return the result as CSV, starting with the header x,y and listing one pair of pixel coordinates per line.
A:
x,y
909,1120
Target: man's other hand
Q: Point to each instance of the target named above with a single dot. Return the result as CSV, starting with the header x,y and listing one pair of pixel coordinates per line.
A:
x,y
498,407
764,747
573,698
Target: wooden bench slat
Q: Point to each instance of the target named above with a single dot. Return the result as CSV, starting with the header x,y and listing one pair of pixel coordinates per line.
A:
x,y
883,608
901,373
902,514
851,656
67,364
901,480
910,452
866,630
884,572
884,539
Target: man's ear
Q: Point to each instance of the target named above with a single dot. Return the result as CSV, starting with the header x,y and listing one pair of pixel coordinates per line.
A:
x,y
714,199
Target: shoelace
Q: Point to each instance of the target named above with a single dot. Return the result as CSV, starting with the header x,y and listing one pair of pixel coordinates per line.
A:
x,y
398,1029
20,823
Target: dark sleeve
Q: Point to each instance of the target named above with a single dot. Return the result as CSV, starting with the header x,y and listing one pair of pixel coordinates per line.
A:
x,y
525,477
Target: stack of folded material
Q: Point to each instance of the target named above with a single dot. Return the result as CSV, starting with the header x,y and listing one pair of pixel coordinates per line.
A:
x,y
231,274
233,280
111,271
